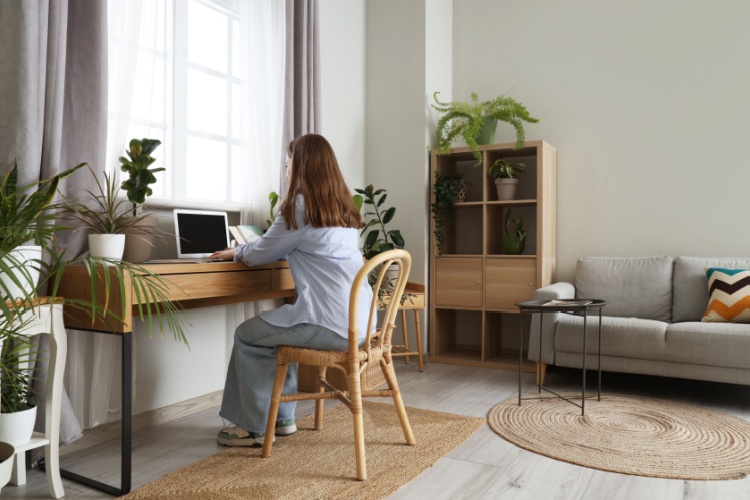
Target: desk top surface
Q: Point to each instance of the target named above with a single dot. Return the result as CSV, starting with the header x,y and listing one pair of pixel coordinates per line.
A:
x,y
191,268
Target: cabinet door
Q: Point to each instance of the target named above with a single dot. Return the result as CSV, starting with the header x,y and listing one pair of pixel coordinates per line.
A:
x,y
509,281
459,282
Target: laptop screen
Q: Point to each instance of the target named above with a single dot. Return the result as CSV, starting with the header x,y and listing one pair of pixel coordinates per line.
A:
x,y
200,233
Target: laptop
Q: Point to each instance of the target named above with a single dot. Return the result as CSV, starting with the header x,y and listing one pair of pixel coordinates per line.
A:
x,y
199,233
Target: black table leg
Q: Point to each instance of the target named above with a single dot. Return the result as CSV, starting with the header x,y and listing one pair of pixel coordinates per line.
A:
x,y
126,450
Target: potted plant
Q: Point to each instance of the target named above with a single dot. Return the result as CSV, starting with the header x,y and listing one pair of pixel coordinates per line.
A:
x,y
139,238
505,172
514,238
107,216
17,400
448,189
27,215
379,239
476,121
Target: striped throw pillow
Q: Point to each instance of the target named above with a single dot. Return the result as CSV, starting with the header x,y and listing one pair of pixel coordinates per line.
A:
x,y
729,295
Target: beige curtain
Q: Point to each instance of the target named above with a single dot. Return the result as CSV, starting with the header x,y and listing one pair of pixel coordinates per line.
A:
x,y
53,97
302,74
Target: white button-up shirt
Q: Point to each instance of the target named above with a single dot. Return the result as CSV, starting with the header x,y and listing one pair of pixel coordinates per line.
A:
x,y
323,262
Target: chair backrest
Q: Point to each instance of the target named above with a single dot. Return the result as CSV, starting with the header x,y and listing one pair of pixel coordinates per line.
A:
x,y
386,290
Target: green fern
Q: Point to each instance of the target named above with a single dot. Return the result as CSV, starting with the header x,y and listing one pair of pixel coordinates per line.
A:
x,y
466,119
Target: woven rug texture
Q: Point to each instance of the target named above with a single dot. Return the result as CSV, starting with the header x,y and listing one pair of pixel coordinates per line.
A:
x,y
321,464
630,435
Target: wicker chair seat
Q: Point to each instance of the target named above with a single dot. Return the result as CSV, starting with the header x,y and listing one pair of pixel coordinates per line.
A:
x,y
328,358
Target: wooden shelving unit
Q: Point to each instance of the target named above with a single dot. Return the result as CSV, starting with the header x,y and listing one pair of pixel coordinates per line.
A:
x,y
473,284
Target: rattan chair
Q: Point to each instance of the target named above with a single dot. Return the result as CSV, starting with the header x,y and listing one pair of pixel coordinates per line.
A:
x,y
375,351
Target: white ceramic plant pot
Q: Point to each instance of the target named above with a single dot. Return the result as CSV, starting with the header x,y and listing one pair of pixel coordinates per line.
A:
x,y
107,246
16,428
506,188
7,453
26,272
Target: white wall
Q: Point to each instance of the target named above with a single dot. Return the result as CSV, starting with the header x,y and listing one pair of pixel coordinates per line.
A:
x,y
342,49
395,148
647,105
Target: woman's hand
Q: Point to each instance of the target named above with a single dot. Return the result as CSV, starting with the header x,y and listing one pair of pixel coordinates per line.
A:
x,y
226,254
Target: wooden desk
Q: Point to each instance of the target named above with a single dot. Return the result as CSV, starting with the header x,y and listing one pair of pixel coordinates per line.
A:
x,y
193,285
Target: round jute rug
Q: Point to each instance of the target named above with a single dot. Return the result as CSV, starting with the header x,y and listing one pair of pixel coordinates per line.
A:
x,y
629,435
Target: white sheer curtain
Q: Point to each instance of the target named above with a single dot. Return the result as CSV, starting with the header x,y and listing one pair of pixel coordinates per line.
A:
x,y
262,55
94,366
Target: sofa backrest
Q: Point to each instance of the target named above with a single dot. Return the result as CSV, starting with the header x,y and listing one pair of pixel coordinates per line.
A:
x,y
639,287
690,285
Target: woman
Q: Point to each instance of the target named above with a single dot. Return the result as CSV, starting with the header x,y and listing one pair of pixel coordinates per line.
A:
x,y
317,230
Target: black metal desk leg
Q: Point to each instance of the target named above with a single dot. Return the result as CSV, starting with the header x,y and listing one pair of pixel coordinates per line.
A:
x,y
127,410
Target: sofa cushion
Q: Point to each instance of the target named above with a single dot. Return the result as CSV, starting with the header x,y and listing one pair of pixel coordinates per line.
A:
x,y
713,344
639,287
690,286
729,295
624,337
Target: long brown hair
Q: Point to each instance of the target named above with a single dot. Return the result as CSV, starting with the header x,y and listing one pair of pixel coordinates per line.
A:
x,y
316,176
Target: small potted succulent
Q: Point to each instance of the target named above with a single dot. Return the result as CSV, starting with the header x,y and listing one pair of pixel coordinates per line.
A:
x,y
476,122
514,238
506,172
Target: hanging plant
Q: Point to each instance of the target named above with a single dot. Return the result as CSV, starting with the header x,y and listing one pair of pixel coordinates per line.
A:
x,y
448,190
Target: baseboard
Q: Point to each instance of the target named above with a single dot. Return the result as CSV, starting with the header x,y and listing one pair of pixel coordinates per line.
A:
x,y
112,430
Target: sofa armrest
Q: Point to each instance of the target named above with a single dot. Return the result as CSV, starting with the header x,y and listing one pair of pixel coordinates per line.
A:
x,y
561,290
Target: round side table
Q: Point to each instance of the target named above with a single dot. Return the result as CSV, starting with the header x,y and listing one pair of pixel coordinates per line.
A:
x,y
566,306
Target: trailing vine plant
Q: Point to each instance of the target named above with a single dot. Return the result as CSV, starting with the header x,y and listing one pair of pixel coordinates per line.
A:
x,y
466,119
448,189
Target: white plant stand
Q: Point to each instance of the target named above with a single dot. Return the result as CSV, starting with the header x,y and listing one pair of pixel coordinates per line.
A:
x,y
48,320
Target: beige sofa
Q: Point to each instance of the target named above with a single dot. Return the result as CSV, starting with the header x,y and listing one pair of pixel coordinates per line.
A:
x,y
651,324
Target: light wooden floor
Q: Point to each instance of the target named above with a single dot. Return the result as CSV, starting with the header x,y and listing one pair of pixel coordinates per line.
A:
x,y
484,467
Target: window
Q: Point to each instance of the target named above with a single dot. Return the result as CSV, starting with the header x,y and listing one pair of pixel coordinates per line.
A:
x,y
185,92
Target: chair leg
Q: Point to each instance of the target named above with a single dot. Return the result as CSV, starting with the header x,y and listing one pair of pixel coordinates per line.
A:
x,y
406,334
418,334
319,402
355,395
390,378
273,412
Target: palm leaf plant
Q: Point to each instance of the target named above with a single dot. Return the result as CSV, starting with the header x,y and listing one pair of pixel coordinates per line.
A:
x,y
467,119
29,213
